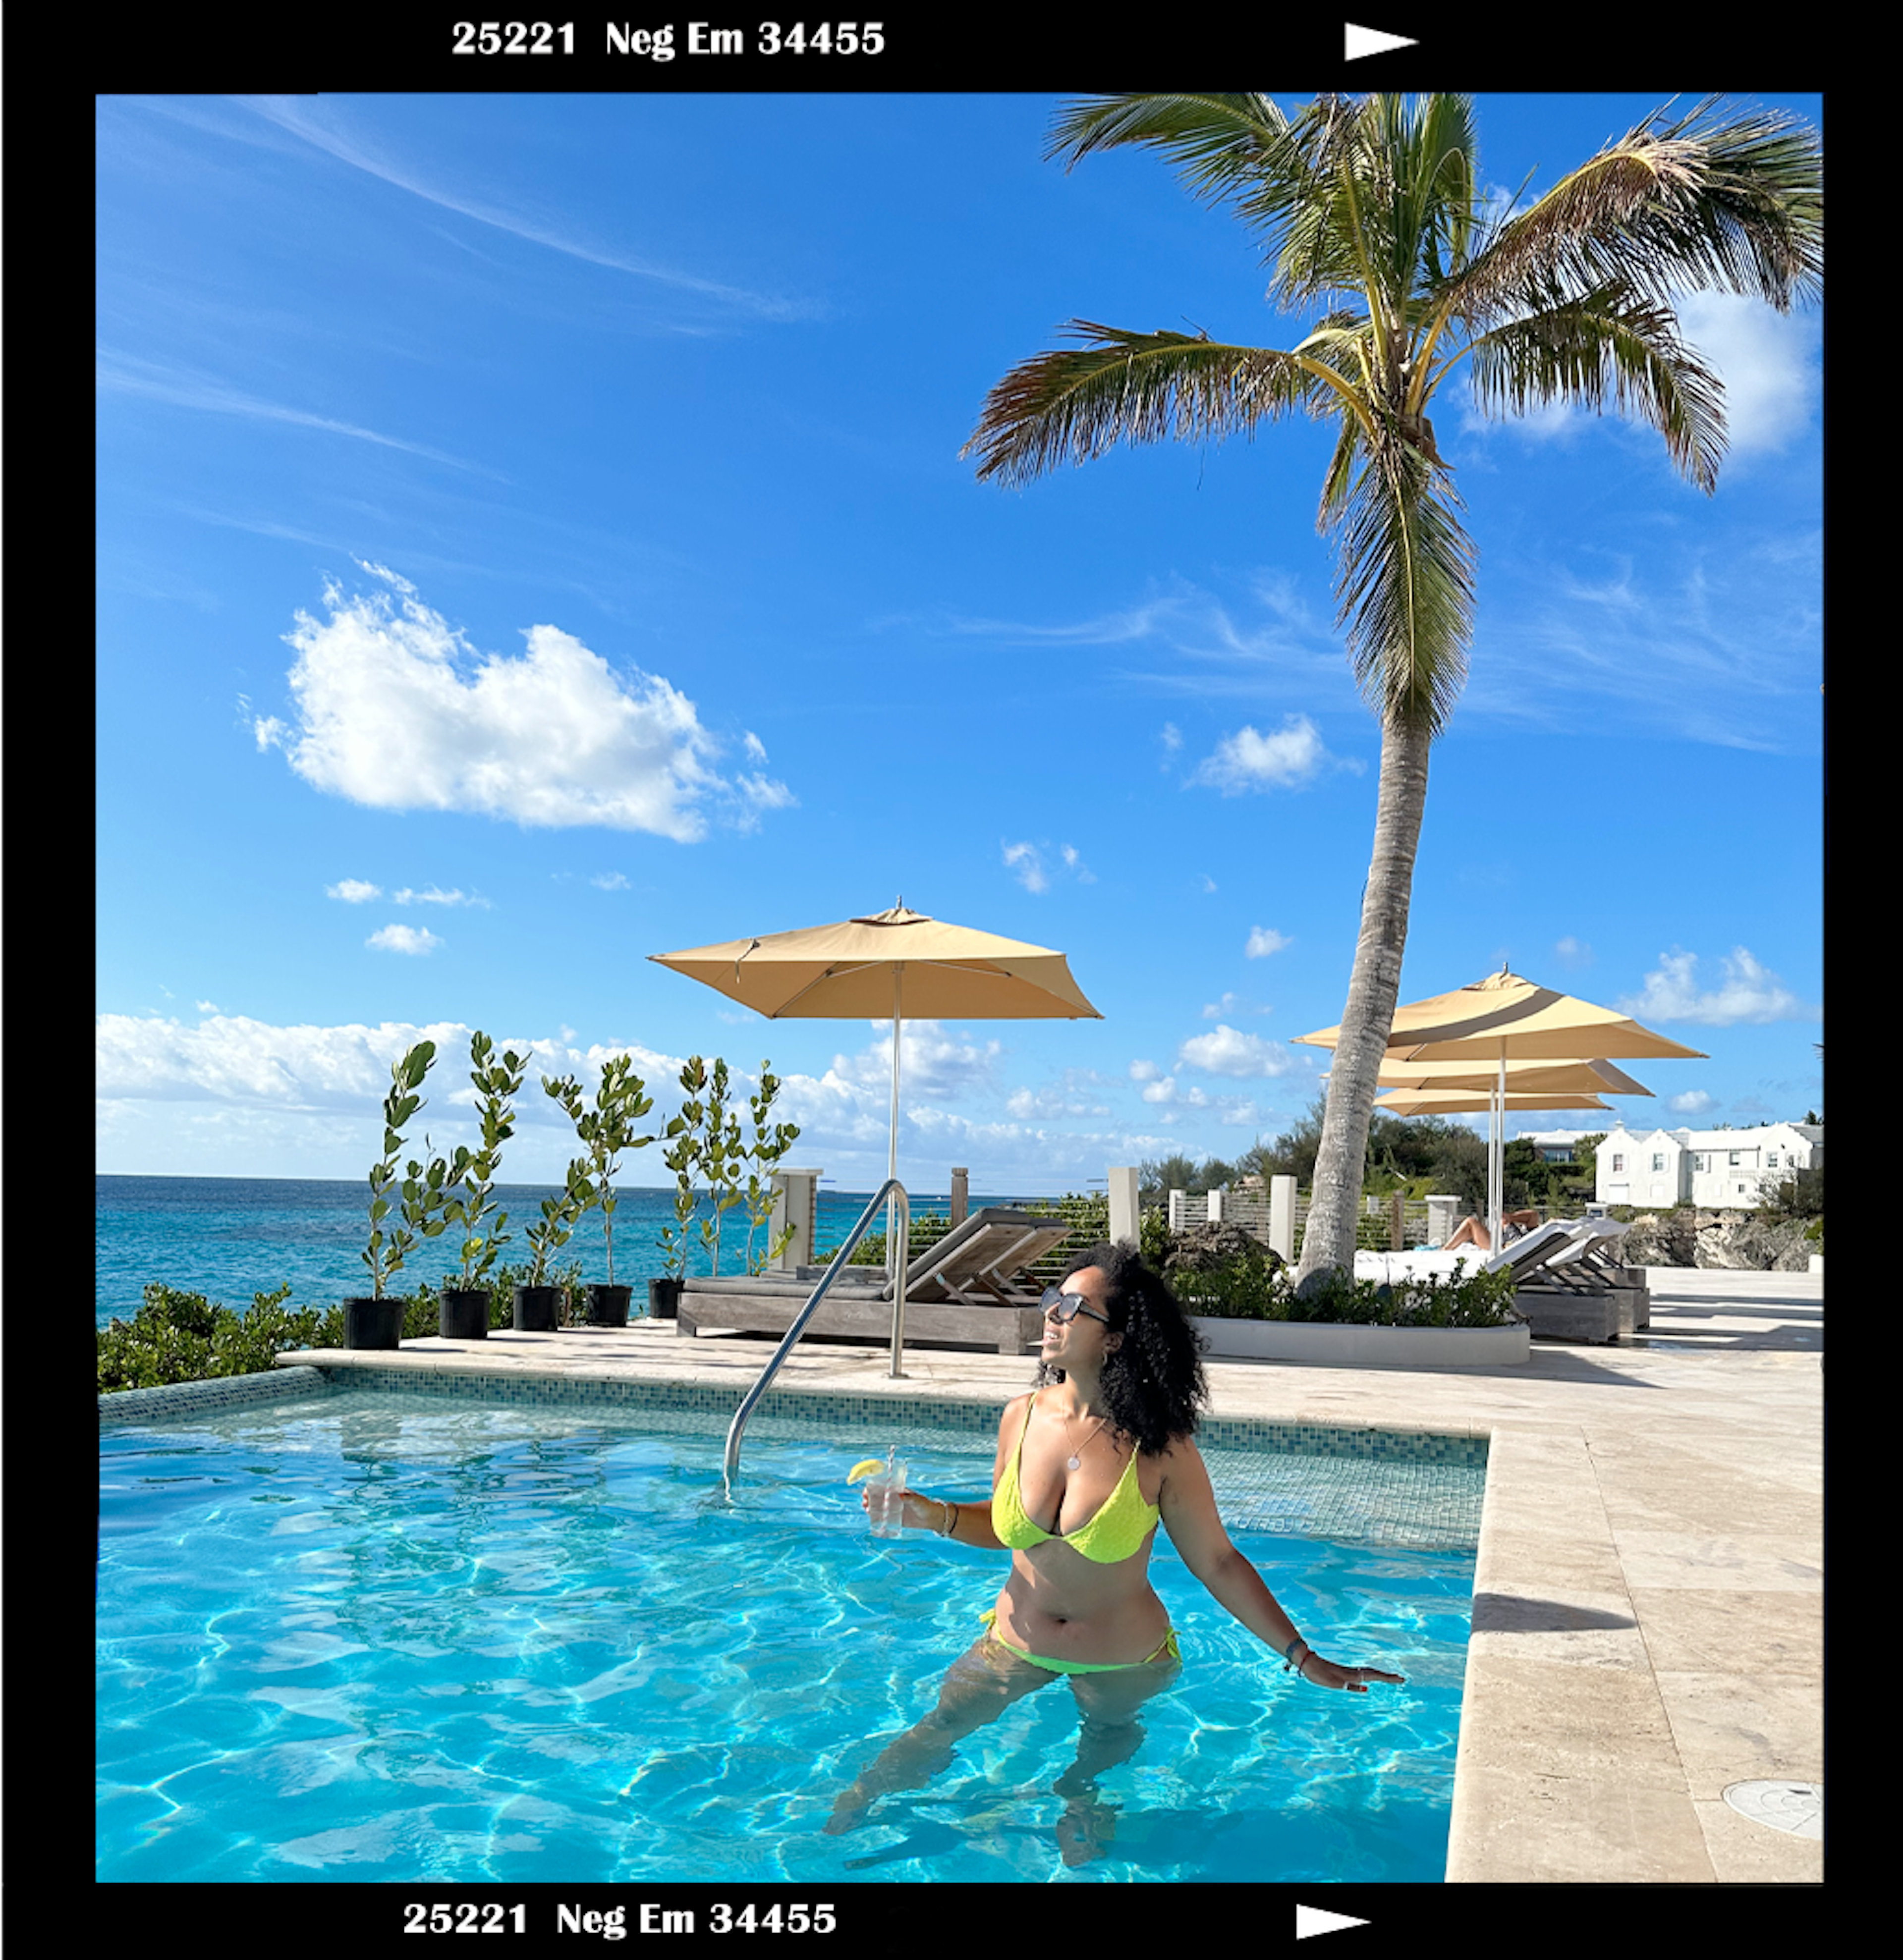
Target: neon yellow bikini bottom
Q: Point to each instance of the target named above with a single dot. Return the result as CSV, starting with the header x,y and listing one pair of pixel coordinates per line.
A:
x,y
1168,1650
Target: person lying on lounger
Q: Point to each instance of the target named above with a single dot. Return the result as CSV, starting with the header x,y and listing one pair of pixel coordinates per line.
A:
x,y
1473,1231
1089,1463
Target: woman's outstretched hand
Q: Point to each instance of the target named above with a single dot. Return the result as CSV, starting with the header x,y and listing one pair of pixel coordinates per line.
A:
x,y
1321,1673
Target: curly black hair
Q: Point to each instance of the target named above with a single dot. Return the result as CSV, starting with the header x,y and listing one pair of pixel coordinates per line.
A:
x,y
1153,1383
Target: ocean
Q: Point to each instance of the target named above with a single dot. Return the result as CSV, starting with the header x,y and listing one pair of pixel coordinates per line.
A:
x,y
230,1238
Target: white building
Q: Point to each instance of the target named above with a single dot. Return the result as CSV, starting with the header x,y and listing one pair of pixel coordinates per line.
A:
x,y
1718,1169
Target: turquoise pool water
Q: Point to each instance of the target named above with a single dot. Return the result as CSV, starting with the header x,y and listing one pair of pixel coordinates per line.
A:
x,y
366,1636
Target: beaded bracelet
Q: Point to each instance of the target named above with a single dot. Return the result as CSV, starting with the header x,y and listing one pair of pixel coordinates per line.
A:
x,y
1288,1656
951,1519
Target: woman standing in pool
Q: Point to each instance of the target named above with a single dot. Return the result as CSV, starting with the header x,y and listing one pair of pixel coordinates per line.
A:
x,y
1089,1463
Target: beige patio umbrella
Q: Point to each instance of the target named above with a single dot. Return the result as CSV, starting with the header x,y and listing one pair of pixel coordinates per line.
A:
x,y
1503,1018
1596,1077
898,963
1461,1102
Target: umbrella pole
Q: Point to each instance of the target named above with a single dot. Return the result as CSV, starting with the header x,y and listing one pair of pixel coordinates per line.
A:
x,y
893,1260
1496,1155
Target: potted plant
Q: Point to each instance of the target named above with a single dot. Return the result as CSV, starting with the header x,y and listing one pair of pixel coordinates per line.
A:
x,y
769,1146
375,1321
722,1152
606,1131
684,1159
464,1315
537,1304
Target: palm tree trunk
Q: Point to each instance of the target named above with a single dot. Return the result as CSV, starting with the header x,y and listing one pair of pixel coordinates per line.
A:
x,y
1374,991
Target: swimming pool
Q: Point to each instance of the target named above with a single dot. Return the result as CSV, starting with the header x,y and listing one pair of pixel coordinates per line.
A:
x,y
364,1636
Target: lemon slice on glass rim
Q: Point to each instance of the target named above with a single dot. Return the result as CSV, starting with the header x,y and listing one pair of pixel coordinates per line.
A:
x,y
870,1467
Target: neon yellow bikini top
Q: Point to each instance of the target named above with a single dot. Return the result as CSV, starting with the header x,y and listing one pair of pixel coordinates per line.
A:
x,y
1116,1533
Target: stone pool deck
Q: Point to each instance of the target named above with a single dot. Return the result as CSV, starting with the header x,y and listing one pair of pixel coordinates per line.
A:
x,y
1648,1612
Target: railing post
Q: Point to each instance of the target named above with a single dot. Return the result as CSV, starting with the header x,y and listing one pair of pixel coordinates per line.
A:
x,y
1215,1207
1397,1222
796,1197
1282,1218
961,1195
1178,1204
1123,1204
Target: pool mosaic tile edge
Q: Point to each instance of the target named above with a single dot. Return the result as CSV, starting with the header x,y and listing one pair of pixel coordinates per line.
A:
x,y
198,1398
840,1410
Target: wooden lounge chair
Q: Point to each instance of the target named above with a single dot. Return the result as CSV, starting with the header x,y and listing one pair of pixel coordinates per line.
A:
x,y
968,1290
1587,1271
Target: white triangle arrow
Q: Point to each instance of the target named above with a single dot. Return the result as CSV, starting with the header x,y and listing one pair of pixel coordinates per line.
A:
x,y
1311,1919
1359,41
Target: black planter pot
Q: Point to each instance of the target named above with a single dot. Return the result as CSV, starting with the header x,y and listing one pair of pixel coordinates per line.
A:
x,y
538,1309
373,1323
608,1306
664,1298
464,1313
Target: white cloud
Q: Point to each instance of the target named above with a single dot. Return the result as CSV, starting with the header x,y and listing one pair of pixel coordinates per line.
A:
x,y
1749,993
1023,860
931,1062
1162,1091
610,881
1693,1102
1574,953
323,125
1076,1095
1262,941
436,897
1767,360
232,1060
1247,760
764,793
755,748
353,891
404,939
1228,1051
396,710
124,373
1035,870
208,1007
1144,1072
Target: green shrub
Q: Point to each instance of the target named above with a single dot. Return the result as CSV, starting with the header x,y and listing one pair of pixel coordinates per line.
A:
x,y
1250,1289
176,1336
1152,1239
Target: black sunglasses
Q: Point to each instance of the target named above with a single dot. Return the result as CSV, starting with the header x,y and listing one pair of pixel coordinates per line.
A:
x,y
1068,1306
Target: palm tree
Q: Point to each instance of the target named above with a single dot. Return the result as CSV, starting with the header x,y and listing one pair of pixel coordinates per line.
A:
x,y
1371,216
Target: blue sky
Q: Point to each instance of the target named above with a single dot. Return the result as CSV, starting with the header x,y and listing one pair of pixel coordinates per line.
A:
x,y
532,535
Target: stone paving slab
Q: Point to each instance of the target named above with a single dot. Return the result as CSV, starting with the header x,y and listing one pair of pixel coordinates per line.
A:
x,y
1648,1610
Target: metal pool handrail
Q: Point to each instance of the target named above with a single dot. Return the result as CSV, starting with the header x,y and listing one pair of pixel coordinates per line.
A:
x,y
900,1236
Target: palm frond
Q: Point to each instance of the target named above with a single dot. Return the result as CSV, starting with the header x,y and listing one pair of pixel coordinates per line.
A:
x,y
1072,405
1214,141
1340,479
1735,204
1615,344
1407,588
